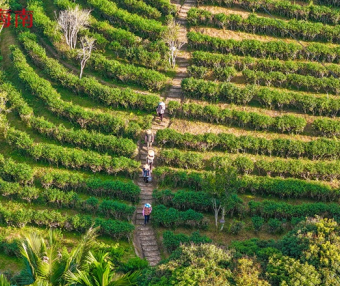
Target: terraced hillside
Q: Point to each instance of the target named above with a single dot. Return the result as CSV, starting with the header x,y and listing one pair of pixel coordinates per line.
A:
x,y
247,149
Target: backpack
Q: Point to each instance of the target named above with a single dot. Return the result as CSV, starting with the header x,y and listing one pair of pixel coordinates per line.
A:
x,y
147,211
161,109
146,173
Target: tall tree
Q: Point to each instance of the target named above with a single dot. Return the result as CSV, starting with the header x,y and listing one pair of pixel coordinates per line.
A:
x,y
171,37
87,45
222,184
71,21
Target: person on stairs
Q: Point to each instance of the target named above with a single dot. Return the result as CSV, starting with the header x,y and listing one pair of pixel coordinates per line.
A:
x,y
160,110
149,138
147,209
146,173
149,158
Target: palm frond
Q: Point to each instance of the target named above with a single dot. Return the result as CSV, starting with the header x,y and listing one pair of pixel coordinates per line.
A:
x,y
4,281
78,278
128,279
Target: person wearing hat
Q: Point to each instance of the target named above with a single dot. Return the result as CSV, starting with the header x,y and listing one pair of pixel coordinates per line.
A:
x,y
149,138
150,157
147,209
160,110
146,173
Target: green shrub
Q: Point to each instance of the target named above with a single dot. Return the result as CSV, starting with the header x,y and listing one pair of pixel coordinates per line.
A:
x,y
257,223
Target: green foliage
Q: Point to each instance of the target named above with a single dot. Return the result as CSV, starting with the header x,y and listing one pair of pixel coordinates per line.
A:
x,y
144,28
174,218
316,149
70,157
86,119
283,188
130,74
16,216
236,227
92,185
172,241
134,264
183,200
295,81
260,25
257,223
275,225
226,116
289,9
283,270
163,5
14,171
265,96
315,69
192,265
260,49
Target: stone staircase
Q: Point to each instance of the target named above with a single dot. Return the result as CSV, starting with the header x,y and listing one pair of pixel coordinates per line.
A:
x,y
145,241
175,92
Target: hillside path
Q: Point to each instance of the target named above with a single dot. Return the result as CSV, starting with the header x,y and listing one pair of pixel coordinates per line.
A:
x,y
145,240
182,60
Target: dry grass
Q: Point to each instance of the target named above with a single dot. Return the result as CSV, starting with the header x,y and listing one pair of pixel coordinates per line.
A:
x,y
239,36
261,110
236,11
196,127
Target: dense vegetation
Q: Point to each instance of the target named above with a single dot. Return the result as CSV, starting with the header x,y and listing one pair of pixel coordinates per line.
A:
x,y
249,147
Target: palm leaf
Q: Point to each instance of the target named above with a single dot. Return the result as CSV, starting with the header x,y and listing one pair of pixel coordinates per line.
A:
x,y
4,281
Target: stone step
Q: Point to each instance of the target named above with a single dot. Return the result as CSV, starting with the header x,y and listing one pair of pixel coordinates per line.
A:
x,y
152,242
146,197
140,216
144,228
153,259
175,87
146,233
175,90
145,186
146,238
153,256
149,248
153,263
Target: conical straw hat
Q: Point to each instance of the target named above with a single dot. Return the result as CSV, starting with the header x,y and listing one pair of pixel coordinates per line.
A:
x,y
148,131
146,166
151,153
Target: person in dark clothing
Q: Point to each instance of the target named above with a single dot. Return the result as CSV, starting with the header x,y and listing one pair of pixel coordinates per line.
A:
x,y
161,110
146,173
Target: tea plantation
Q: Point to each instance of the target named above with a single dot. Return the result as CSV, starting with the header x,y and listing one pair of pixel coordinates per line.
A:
x,y
245,184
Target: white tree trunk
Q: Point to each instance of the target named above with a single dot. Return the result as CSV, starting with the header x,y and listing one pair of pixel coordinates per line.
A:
x,y
85,54
70,22
216,211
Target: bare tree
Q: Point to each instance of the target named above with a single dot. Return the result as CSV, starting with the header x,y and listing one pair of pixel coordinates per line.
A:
x,y
87,45
171,37
71,21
